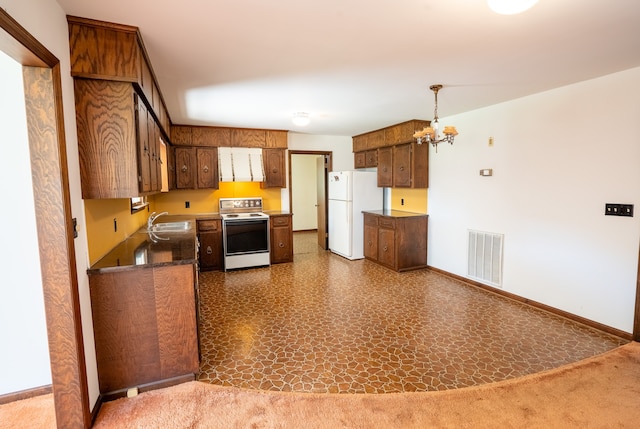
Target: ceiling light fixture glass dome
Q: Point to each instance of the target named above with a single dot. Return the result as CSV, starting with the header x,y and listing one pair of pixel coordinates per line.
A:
x,y
510,7
301,119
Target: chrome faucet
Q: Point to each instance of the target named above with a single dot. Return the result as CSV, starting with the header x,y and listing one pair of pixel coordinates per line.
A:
x,y
152,218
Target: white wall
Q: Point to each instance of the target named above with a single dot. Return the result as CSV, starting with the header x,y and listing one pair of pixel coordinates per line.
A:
x,y
24,362
340,146
46,21
558,157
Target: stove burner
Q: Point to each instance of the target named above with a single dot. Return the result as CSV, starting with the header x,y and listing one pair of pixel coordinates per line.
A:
x,y
232,215
255,214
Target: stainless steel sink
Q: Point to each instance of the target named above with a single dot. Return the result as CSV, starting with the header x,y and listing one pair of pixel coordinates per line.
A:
x,y
172,226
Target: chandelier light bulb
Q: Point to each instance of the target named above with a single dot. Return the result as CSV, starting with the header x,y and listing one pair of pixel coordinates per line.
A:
x,y
510,7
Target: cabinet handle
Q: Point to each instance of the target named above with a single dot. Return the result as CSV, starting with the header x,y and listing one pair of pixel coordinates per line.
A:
x,y
205,169
369,243
384,169
281,244
184,169
274,171
402,168
209,250
385,248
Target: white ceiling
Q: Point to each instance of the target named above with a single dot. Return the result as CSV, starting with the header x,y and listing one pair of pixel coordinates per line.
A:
x,y
360,65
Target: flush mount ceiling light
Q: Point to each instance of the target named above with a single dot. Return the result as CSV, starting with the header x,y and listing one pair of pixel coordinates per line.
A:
x,y
510,7
301,119
430,134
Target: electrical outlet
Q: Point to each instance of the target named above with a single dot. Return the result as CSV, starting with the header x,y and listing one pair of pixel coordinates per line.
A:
x,y
626,210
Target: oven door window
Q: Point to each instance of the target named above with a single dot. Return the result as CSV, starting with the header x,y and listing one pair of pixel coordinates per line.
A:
x,y
246,236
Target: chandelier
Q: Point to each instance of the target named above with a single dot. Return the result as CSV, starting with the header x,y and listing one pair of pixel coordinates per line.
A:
x,y
430,134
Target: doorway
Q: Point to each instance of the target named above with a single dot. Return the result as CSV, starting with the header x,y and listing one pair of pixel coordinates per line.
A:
x,y
307,191
47,147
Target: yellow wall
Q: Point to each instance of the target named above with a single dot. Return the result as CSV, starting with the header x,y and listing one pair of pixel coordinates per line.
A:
x,y
100,214
415,200
206,200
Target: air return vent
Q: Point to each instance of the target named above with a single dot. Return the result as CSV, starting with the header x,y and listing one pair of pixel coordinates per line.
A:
x,y
485,257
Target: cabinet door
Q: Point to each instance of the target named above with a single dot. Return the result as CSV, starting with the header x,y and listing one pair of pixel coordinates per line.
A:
x,y
211,247
402,166
144,150
359,160
171,166
371,158
211,252
385,167
386,247
370,242
281,239
185,172
107,142
274,168
154,145
207,159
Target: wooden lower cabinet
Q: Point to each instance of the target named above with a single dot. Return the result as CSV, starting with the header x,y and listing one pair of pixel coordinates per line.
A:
x,y
210,237
397,240
281,238
144,322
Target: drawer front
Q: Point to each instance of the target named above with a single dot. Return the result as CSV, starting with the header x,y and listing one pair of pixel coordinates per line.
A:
x,y
370,220
209,225
387,222
280,220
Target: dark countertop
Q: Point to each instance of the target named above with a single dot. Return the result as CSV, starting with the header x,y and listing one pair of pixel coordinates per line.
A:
x,y
142,249
394,213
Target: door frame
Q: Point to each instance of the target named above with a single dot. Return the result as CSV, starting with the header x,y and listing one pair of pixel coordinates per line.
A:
x,y
47,146
329,164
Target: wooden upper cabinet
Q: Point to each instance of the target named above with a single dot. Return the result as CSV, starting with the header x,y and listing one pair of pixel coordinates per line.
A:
x,y
108,138
360,142
241,137
196,168
210,136
108,51
103,50
276,139
185,158
186,135
274,168
411,165
375,140
181,135
385,167
207,160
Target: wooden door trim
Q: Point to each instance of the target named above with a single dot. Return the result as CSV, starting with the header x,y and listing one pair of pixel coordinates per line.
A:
x,y
47,146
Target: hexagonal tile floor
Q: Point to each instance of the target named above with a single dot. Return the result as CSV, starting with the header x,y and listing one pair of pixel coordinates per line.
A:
x,y
326,324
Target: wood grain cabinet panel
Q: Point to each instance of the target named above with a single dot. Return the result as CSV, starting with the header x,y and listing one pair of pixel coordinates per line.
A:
x,y
211,251
397,242
276,139
359,160
274,168
196,167
210,136
103,51
281,239
241,137
108,134
385,167
144,323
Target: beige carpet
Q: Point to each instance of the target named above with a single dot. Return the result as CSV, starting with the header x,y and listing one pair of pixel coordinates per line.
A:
x,y
600,392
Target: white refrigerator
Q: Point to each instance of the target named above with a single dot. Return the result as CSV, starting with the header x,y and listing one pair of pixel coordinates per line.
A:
x,y
351,192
